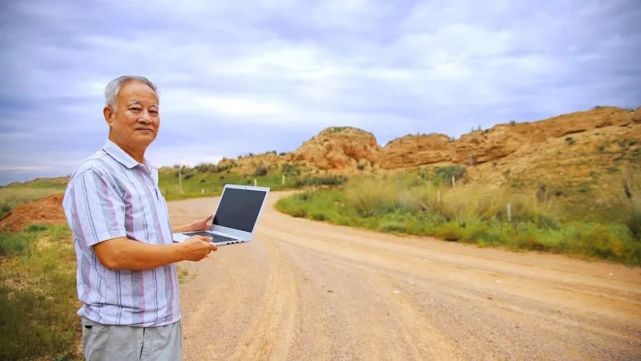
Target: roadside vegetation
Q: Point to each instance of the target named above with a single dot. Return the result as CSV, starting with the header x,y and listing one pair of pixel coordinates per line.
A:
x,y
427,204
38,295
209,179
38,301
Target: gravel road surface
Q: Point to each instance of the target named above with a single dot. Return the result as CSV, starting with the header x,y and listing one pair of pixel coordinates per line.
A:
x,y
306,290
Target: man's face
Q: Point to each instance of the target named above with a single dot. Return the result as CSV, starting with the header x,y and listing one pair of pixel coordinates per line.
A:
x,y
135,120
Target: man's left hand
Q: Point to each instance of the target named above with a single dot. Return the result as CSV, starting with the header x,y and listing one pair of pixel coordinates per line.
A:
x,y
200,225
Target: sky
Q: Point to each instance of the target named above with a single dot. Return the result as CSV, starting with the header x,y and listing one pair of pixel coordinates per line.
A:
x,y
256,76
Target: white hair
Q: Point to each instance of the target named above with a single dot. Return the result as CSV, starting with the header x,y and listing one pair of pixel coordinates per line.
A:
x,y
113,87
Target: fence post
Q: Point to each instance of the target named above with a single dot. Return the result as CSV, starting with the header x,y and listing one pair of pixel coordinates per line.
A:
x,y
509,212
255,182
180,179
283,180
453,181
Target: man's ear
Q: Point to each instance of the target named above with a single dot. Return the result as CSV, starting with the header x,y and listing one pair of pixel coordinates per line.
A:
x,y
107,112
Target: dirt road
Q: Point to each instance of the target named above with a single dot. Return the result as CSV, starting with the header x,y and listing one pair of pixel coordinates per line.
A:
x,y
306,290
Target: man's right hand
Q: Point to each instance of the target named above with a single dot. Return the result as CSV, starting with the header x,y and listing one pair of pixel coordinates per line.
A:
x,y
197,247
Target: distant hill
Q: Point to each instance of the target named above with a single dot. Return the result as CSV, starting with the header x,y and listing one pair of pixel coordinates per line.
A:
x,y
582,152
598,134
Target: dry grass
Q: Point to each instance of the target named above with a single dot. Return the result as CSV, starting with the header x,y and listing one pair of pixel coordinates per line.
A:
x,y
476,213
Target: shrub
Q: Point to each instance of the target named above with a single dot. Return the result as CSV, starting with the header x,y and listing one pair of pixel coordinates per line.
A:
x,y
392,226
290,169
329,180
449,232
15,243
33,228
445,174
5,209
335,129
318,216
632,203
260,170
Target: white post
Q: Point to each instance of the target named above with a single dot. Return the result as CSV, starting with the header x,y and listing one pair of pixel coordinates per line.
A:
x,y
255,182
202,190
453,181
509,212
283,180
180,179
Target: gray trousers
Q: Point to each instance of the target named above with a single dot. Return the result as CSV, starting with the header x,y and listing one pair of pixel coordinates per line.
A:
x,y
124,343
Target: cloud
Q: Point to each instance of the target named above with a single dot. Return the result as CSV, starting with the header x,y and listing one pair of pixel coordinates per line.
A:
x,y
255,76
184,101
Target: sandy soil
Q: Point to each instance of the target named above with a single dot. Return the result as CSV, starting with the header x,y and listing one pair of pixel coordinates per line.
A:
x,y
306,290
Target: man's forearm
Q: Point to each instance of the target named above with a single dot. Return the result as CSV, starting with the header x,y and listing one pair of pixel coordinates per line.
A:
x,y
124,253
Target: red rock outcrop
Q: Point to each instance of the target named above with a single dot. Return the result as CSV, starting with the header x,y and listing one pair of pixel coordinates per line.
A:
x,y
499,141
339,148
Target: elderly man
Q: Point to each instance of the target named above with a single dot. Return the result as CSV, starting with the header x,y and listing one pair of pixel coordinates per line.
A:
x,y
126,275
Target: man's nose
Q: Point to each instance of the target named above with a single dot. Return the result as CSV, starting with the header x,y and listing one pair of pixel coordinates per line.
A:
x,y
144,117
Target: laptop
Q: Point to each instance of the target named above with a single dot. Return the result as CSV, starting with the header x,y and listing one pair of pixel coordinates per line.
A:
x,y
235,219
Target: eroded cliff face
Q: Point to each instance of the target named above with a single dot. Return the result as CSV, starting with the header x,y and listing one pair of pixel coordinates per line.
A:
x,y
339,148
348,150
499,141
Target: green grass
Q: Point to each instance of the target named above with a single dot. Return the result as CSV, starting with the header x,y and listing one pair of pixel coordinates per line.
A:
x,y
38,295
474,214
203,182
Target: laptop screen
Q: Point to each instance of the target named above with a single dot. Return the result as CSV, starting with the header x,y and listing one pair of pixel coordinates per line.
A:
x,y
239,208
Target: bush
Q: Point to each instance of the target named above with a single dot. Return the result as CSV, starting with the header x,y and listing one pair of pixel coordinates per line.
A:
x,y
260,170
449,232
445,174
634,224
290,169
631,200
5,209
15,243
318,216
34,228
330,180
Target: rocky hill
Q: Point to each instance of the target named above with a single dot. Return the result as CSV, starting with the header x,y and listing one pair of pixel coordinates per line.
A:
x,y
339,148
348,150
501,140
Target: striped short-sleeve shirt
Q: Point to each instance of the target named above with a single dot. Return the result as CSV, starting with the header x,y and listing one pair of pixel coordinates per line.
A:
x,y
111,195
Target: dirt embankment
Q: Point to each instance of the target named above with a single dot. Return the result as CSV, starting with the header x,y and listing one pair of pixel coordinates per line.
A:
x,y
43,211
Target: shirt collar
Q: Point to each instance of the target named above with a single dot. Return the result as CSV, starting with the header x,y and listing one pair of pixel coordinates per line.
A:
x,y
119,155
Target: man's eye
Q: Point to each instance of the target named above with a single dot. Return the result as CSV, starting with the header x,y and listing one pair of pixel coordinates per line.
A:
x,y
135,109
155,112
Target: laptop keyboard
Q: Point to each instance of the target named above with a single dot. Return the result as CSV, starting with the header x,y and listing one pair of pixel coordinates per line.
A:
x,y
216,238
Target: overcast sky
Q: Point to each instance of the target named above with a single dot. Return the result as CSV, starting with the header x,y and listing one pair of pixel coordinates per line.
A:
x,y
242,76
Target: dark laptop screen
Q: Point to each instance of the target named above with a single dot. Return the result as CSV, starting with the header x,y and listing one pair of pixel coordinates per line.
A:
x,y
239,208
